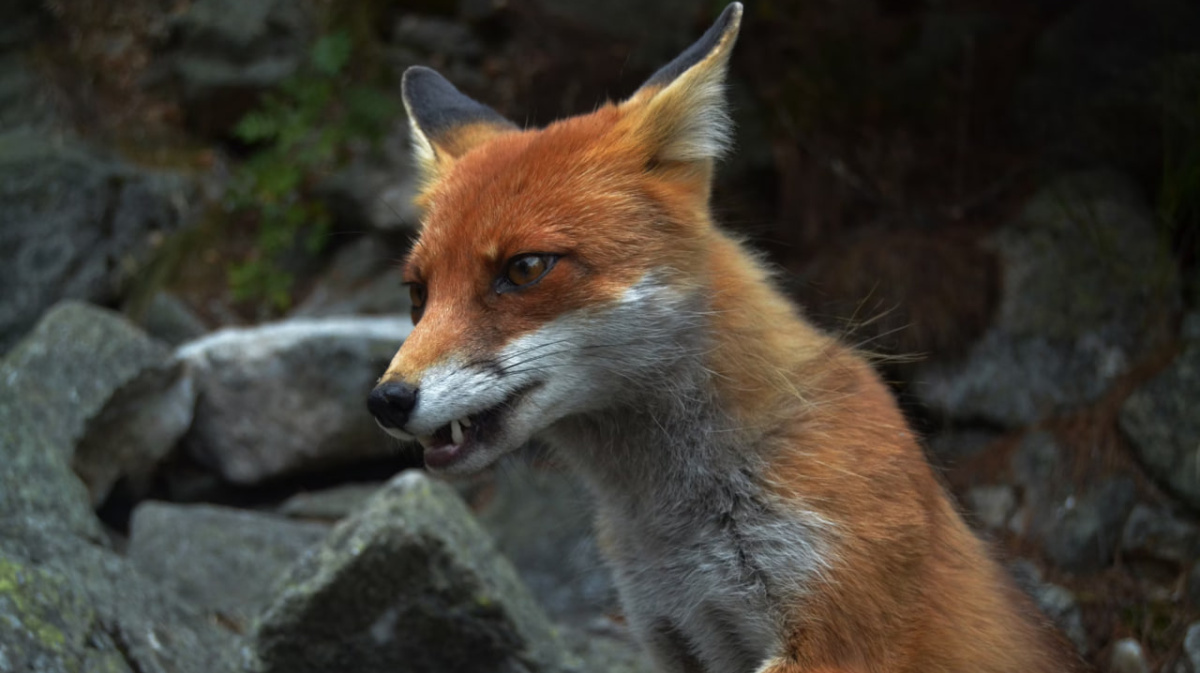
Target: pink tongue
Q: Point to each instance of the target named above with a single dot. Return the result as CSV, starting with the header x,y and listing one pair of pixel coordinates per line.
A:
x,y
441,456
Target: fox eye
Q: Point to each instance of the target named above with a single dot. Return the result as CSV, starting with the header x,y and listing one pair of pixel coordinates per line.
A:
x,y
525,270
416,292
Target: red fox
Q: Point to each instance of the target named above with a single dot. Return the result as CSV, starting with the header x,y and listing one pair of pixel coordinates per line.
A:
x,y
763,504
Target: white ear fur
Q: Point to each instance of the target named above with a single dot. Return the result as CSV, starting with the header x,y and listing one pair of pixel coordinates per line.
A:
x,y
683,105
695,124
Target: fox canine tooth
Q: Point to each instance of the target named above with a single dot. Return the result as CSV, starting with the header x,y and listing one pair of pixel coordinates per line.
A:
x,y
466,422
395,432
425,440
456,433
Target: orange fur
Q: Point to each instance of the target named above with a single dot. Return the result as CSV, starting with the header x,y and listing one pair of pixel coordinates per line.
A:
x,y
618,193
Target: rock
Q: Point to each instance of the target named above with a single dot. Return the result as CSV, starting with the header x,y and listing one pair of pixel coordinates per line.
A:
x,y
1159,535
225,53
363,279
122,401
1191,645
1161,421
223,561
993,506
1078,527
374,193
410,583
1058,603
1087,287
331,504
169,320
67,602
77,225
70,605
1128,657
541,520
26,100
1083,532
290,396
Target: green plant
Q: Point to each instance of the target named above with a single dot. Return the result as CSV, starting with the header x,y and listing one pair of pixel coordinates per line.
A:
x,y
302,131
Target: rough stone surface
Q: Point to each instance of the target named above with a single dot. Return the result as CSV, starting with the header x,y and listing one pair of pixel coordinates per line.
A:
x,y
1128,657
1159,535
76,225
1161,420
1087,286
223,561
363,279
410,583
1079,528
67,602
1057,602
289,396
123,401
331,504
542,521
75,605
169,320
375,191
225,53
1082,533
1191,645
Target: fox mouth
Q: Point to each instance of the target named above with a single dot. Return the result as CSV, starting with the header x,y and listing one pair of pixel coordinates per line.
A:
x,y
454,441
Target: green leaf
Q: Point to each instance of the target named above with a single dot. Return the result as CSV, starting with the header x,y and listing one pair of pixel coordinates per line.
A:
x,y
256,126
331,53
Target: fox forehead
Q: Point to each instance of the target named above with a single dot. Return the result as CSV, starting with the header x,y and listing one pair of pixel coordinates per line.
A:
x,y
574,188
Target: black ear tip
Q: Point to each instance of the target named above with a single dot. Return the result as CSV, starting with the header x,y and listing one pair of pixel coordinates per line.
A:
x,y
420,78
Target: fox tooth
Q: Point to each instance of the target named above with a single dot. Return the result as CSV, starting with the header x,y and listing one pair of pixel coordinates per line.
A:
x,y
425,440
456,433
395,432
466,422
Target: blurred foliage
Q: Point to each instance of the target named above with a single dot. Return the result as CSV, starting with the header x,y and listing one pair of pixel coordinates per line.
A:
x,y
302,131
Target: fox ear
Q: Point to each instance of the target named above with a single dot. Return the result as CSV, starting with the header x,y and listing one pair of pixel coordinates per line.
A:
x,y
680,111
445,123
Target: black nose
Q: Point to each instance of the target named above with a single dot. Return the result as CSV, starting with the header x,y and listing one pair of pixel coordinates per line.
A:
x,y
390,403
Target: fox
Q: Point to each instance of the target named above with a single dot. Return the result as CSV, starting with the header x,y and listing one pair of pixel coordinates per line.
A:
x,y
762,501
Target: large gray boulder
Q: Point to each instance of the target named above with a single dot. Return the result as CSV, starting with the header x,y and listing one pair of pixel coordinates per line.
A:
x,y
67,602
225,53
290,396
74,225
410,583
224,562
1162,420
1088,287
121,401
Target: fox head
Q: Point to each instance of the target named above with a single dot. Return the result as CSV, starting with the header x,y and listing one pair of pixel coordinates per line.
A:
x,y
559,271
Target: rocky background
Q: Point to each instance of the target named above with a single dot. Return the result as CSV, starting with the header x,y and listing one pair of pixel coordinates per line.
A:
x,y
202,203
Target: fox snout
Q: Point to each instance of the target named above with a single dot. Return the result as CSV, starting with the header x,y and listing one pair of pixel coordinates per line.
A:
x,y
391,402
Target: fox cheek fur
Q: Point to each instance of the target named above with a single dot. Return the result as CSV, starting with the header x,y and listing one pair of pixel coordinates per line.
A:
x,y
762,501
